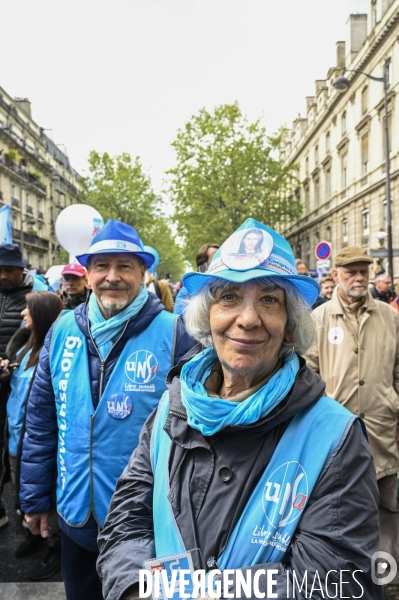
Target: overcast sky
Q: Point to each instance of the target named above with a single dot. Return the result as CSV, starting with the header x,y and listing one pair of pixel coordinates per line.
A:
x,y
124,75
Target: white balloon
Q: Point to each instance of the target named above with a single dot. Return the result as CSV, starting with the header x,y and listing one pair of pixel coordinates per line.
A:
x,y
75,227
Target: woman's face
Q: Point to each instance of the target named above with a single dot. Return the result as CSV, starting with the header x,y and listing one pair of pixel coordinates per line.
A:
x,y
27,319
248,327
250,242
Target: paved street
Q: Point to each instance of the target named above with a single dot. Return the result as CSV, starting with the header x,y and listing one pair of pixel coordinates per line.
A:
x,y
14,572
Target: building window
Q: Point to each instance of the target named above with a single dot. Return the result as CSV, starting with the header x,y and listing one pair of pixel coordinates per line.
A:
x,y
328,142
344,163
307,165
39,230
307,199
373,13
365,154
317,237
365,100
345,230
40,261
343,123
13,192
28,201
328,184
384,214
317,191
316,155
328,233
29,260
366,222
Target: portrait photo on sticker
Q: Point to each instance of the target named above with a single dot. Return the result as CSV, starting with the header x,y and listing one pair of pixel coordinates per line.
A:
x,y
247,249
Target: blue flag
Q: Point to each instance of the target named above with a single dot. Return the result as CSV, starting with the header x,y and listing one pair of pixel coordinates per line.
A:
x,y
5,225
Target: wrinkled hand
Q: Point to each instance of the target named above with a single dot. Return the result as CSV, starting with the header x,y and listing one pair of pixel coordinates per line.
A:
x,y
4,362
38,524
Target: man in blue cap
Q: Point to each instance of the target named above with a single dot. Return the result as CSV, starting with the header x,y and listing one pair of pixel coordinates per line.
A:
x,y
101,373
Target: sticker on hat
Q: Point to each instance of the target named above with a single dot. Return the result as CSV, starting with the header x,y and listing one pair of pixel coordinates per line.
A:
x,y
246,249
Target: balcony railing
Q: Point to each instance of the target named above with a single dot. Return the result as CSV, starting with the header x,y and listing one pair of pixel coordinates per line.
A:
x,y
22,174
40,215
30,239
29,210
15,202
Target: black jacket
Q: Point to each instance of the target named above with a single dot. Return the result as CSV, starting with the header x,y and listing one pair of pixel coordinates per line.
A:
x,y
72,302
333,532
11,305
377,296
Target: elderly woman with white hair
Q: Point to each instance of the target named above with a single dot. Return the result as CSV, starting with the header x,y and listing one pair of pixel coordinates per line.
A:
x,y
246,466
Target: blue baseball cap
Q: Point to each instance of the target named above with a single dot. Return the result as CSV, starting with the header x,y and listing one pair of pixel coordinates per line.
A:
x,y
116,237
253,250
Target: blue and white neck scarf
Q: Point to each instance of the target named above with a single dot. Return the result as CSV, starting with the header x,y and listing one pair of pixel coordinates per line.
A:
x,y
209,415
105,332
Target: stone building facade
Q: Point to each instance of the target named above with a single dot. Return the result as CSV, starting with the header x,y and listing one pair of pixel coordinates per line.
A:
x,y
339,145
36,180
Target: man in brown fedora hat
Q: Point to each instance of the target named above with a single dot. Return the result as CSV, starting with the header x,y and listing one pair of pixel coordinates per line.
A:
x,y
357,354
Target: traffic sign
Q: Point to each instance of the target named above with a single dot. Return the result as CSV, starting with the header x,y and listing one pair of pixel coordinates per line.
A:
x,y
323,265
323,250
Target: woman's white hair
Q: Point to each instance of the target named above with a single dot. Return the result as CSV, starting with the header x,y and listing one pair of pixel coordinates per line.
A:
x,y
300,322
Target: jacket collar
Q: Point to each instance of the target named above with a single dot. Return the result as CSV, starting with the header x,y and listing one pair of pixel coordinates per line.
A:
x,y
337,308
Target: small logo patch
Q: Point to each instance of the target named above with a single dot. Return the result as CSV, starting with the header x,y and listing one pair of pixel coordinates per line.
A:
x,y
119,406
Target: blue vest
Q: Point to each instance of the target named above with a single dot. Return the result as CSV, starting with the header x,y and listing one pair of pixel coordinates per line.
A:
x,y
94,446
267,524
16,403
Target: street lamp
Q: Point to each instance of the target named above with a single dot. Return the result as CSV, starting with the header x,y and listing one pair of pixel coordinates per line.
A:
x,y
342,84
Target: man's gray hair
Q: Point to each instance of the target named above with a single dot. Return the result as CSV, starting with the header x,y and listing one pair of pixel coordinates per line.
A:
x,y
300,322
382,277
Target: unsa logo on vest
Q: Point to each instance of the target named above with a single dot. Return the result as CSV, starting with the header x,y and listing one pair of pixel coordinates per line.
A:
x,y
285,494
119,406
141,366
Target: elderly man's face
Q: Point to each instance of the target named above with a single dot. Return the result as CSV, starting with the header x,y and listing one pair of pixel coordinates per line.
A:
x,y
115,280
10,277
353,279
383,286
248,327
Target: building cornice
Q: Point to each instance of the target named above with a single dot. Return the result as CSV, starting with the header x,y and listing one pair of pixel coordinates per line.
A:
x,y
363,60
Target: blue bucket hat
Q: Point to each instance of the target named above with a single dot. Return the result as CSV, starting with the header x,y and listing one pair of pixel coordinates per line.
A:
x,y
116,236
253,250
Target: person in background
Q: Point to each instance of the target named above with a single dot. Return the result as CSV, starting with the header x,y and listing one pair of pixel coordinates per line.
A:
x,y
357,354
160,288
301,267
42,309
395,302
74,285
382,288
246,465
101,372
15,283
203,260
378,268
327,286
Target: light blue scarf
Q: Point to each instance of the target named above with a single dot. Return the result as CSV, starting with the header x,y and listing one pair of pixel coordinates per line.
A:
x,y
210,415
106,332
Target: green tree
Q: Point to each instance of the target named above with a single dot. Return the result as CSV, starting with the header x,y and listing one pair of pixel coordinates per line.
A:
x,y
228,170
118,188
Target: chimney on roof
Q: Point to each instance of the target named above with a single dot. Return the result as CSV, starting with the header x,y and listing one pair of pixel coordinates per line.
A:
x,y
25,104
356,36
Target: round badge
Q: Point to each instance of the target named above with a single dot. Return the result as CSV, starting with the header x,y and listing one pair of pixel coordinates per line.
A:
x,y
119,406
247,249
335,335
141,367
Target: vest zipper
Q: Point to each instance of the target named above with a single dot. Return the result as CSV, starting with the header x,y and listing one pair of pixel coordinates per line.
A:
x,y
100,393
178,415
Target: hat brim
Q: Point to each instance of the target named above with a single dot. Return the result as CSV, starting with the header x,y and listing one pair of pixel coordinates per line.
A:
x,y
145,256
306,286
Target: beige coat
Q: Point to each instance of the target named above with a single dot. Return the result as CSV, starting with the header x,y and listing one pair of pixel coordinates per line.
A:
x,y
360,365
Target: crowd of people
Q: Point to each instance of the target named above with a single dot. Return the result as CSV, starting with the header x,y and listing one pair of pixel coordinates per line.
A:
x,y
249,424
